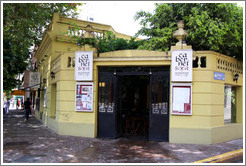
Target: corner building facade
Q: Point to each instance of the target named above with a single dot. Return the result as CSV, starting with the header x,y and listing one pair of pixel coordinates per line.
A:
x,y
133,91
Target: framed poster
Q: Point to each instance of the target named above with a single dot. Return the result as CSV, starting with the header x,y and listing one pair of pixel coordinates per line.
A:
x,y
182,65
181,99
84,97
83,65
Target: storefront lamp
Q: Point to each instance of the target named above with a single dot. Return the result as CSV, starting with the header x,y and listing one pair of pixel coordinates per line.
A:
x,y
236,76
52,74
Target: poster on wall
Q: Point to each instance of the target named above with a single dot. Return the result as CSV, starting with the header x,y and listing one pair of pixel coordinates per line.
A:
x,y
181,99
182,65
83,65
84,97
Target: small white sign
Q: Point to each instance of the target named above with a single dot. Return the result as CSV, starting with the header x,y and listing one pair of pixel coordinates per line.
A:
x,y
83,65
182,65
34,78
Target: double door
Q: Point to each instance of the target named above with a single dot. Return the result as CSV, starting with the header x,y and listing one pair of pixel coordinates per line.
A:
x,y
109,105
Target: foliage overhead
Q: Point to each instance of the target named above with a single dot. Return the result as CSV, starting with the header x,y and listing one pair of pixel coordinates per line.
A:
x,y
23,25
111,43
210,26
108,43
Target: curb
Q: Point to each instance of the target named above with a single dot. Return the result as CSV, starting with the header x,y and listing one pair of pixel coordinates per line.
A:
x,y
223,157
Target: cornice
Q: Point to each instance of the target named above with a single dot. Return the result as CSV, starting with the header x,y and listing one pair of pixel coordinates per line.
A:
x,y
46,42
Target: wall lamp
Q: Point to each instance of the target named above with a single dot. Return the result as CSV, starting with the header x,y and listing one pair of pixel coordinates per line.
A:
x,y
79,42
52,74
150,72
236,76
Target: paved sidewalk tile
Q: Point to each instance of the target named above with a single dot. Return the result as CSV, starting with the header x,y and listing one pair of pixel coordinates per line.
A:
x,y
32,142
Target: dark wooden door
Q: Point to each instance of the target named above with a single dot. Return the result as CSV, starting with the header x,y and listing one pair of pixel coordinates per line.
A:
x,y
107,119
119,116
159,107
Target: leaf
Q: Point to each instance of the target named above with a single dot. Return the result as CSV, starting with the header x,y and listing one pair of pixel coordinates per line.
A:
x,y
23,25
210,26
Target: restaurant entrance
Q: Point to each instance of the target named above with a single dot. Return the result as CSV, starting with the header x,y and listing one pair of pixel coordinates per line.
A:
x,y
133,106
133,101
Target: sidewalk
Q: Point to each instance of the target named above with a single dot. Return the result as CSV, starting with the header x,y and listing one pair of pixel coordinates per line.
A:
x,y
32,142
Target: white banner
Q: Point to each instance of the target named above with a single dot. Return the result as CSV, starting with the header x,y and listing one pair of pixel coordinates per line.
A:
x,y
182,63
83,65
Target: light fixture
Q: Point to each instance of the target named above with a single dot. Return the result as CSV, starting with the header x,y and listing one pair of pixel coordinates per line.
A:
x,y
236,76
52,74
150,72
114,72
79,42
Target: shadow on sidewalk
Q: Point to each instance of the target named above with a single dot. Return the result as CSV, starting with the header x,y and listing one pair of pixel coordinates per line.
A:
x,y
32,142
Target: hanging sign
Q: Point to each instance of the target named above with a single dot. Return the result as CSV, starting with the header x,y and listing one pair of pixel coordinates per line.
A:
x,y
31,79
83,65
181,99
182,65
34,79
84,97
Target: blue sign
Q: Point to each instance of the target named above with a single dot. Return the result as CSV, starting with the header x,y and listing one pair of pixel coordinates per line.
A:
x,y
219,76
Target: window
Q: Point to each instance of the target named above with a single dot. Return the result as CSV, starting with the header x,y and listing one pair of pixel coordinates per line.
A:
x,y
230,105
203,62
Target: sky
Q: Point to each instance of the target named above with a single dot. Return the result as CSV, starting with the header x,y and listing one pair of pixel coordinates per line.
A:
x,y
120,15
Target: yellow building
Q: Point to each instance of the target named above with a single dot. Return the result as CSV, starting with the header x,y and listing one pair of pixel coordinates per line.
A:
x,y
134,92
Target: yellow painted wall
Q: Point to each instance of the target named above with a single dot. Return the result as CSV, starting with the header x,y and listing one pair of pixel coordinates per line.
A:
x,y
205,126
239,105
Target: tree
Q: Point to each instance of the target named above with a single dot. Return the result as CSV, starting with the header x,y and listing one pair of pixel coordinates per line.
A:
x,y
23,25
111,43
210,26
106,44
